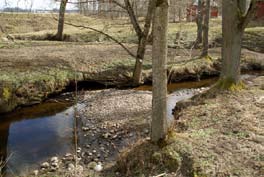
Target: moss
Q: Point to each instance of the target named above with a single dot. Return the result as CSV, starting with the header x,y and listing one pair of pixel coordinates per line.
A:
x,y
6,94
230,84
208,58
171,158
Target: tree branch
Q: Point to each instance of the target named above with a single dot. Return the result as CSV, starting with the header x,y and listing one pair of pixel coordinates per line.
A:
x,y
107,35
120,5
149,16
250,13
133,18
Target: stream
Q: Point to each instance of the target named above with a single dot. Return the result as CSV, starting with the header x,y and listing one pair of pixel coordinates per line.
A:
x,y
31,135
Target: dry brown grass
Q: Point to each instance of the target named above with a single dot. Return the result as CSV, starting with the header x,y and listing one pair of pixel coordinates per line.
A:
x,y
221,136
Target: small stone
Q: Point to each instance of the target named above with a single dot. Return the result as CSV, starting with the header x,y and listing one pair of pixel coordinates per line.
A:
x,y
45,165
80,169
106,135
87,146
83,154
94,151
98,167
85,128
92,165
36,172
68,155
146,131
54,159
54,164
5,39
53,169
90,154
71,167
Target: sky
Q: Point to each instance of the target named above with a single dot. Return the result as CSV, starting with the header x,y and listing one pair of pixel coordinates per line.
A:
x,y
36,4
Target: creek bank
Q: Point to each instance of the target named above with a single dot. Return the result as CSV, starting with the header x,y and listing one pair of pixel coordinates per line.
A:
x,y
110,121
29,75
220,136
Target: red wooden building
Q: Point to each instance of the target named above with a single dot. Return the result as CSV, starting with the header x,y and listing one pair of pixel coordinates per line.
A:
x,y
260,10
192,10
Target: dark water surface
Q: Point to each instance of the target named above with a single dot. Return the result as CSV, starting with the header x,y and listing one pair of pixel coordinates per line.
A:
x,y
31,135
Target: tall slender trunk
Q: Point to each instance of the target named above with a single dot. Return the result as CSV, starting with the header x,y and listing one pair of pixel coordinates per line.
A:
x,y
159,125
206,28
94,6
143,36
199,22
236,16
133,18
139,60
59,35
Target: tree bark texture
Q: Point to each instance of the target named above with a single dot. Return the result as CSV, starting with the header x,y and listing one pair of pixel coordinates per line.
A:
x,y
159,125
206,28
59,35
142,41
199,22
236,15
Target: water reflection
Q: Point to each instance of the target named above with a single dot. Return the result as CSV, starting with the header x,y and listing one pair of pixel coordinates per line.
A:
x,y
30,135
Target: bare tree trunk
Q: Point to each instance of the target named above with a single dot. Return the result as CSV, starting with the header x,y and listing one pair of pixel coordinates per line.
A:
x,y
236,16
59,35
206,28
159,125
143,39
139,60
199,22
133,18
94,6
142,34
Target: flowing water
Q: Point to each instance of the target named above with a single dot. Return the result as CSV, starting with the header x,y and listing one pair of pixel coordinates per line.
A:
x,y
31,135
